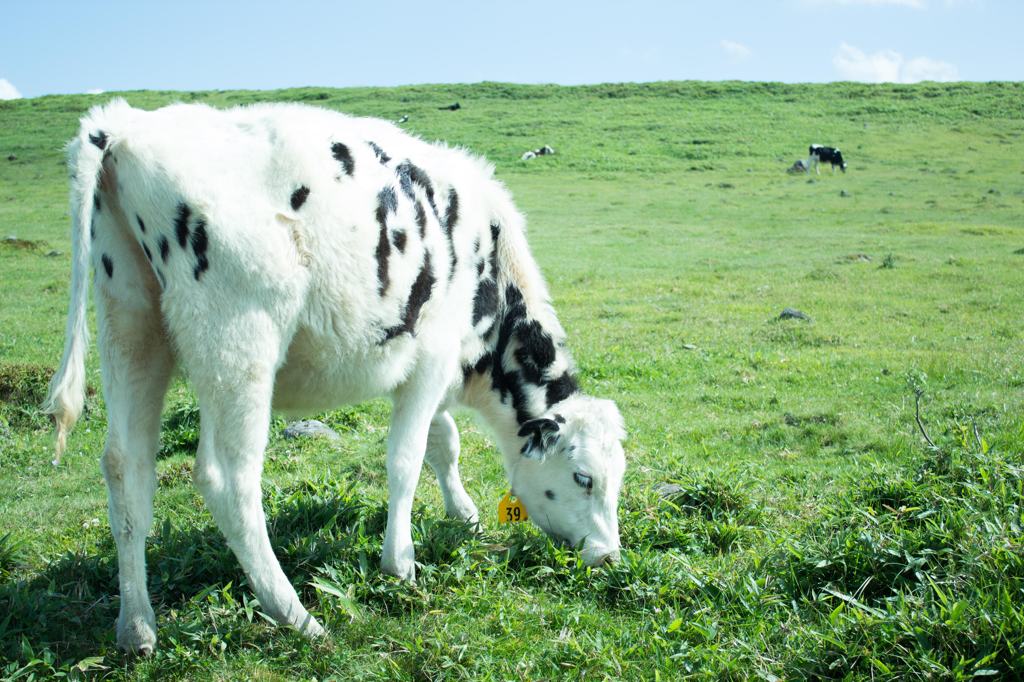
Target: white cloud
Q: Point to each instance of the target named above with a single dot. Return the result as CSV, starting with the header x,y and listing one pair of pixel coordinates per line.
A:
x,y
8,91
95,91
925,69
889,66
736,51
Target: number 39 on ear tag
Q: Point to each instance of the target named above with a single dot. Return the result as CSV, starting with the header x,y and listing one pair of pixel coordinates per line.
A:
x,y
511,510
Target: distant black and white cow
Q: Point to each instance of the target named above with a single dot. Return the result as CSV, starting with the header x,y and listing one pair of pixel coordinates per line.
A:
x,y
821,154
533,154
291,258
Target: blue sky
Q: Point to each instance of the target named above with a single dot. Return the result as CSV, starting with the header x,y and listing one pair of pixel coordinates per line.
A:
x,y
55,46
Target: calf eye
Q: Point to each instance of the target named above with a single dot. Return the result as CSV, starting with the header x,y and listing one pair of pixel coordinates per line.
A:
x,y
583,481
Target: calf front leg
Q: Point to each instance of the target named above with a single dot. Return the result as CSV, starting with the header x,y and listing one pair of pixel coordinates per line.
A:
x,y
415,403
443,458
233,436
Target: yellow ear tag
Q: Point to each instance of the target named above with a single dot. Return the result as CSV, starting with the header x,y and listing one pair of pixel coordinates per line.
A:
x,y
511,510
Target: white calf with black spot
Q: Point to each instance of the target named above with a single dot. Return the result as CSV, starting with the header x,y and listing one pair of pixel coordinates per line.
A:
x,y
290,258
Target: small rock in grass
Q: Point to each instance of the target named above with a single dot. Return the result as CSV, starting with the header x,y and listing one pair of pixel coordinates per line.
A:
x,y
689,346
843,193
12,157
308,428
793,314
54,253
666,490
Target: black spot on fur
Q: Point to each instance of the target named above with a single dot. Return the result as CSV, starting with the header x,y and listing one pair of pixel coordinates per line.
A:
x,y
561,388
535,355
421,219
451,213
559,418
509,384
493,258
536,351
199,238
202,265
381,154
299,197
410,174
99,139
386,203
548,494
92,229
142,225
160,276
108,264
399,236
451,216
480,268
485,302
481,366
342,154
96,202
405,180
181,224
165,248
149,254
418,295
200,242
483,363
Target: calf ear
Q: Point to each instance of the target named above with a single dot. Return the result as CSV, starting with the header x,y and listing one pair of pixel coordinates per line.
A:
x,y
540,434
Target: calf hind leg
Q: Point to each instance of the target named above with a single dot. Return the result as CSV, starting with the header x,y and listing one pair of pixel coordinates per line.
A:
x,y
136,363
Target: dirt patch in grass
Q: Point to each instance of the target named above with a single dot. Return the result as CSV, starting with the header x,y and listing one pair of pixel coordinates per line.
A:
x,y
22,390
22,244
24,384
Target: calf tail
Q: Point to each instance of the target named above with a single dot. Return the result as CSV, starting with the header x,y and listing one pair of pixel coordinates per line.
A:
x,y
66,396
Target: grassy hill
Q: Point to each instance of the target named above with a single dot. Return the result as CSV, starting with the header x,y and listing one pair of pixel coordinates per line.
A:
x,y
812,532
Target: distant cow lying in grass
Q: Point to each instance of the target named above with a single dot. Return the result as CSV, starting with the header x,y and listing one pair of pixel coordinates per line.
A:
x,y
799,166
292,258
831,155
543,151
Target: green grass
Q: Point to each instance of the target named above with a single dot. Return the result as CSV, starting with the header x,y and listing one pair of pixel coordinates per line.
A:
x,y
810,532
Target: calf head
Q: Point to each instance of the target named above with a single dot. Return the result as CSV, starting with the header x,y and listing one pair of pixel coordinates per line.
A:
x,y
569,475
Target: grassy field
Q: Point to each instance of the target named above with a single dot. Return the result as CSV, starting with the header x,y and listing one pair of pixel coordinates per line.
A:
x,y
812,532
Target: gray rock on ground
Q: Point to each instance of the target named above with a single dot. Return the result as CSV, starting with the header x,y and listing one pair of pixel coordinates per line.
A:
x,y
666,490
309,428
793,314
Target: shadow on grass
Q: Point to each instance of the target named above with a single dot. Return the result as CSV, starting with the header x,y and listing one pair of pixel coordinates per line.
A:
x,y
70,607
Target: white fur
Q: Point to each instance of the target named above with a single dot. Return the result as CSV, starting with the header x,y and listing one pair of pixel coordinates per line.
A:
x,y
288,315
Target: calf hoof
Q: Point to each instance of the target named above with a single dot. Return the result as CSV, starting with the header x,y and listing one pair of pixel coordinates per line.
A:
x,y
311,629
137,635
403,569
466,513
